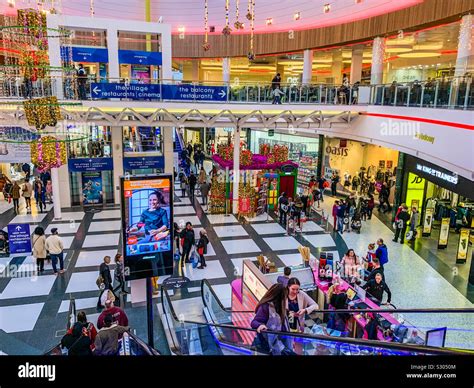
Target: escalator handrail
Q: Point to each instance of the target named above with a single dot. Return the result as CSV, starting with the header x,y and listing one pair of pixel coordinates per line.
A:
x,y
71,319
147,348
164,294
355,341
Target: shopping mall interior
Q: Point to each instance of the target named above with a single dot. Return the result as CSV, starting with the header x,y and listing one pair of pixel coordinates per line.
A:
x,y
237,177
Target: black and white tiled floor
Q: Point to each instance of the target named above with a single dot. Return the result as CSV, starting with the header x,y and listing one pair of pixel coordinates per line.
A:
x,y
33,309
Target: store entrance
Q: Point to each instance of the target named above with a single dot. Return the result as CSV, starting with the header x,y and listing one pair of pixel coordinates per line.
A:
x,y
91,189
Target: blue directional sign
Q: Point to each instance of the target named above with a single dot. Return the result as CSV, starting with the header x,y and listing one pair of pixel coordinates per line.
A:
x,y
194,92
140,57
122,90
89,54
19,238
138,163
93,164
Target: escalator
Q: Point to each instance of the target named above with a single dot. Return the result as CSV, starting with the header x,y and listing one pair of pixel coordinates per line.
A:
x,y
227,332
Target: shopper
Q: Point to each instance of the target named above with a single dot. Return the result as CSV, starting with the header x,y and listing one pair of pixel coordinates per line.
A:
x,y
38,247
106,342
40,194
16,196
192,185
276,81
27,190
270,314
119,274
401,224
183,183
283,208
104,272
202,248
376,288
205,187
55,247
383,199
334,181
277,95
202,176
414,221
341,214
321,186
77,342
299,304
89,327
370,206
381,252
118,315
376,268
176,236
49,192
283,279
334,213
187,242
295,212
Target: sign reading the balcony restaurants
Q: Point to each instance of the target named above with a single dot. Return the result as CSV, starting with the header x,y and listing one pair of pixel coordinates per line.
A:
x,y
194,92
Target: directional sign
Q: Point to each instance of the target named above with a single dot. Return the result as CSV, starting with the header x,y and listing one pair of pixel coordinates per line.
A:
x,y
194,92
19,238
122,90
93,164
138,163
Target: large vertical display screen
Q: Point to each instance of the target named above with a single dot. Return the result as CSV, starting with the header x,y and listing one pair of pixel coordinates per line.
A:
x,y
147,217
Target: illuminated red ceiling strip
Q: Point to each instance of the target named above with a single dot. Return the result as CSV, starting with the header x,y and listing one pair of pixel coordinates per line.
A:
x,y
422,120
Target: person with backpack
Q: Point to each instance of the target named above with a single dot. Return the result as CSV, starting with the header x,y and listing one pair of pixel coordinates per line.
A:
x,y
381,252
401,224
89,327
77,341
202,248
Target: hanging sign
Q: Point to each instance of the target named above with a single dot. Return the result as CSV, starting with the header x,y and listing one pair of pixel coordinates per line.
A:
x,y
428,221
461,256
443,233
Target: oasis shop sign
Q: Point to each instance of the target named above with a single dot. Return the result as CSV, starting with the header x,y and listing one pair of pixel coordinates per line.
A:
x,y
451,178
338,151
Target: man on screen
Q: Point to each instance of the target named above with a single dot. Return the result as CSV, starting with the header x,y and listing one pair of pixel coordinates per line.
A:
x,y
154,223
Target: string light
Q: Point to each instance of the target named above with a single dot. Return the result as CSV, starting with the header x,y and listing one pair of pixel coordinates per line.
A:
x,y
297,16
238,24
92,8
269,21
206,46
251,55
11,3
226,30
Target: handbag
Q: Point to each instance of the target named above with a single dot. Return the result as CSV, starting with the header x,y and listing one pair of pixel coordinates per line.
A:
x,y
201,251
100,282
194,259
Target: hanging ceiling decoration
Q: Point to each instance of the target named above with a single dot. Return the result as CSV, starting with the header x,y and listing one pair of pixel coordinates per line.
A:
x,y
92,9
226,30
206,46
251,16
238,24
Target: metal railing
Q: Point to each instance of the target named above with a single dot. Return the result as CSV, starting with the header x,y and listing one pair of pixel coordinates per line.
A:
x,y
452,93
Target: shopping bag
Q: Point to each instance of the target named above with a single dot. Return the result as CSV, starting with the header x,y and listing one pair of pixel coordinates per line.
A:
x,y
194,259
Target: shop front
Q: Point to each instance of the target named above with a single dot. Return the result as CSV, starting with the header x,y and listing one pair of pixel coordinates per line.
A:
x,y
140,66
95,61
446,205
142,150
362,167
211,138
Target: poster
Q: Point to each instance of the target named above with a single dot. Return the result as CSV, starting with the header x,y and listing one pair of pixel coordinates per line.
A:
x,y
147,219
19,238
15,152
443,233
461,257
415,203
428,221
92,191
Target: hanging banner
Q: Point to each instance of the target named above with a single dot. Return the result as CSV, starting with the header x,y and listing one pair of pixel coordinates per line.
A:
x,y
88,54
428,221
15,152
92,192
461,256
140,57
444,233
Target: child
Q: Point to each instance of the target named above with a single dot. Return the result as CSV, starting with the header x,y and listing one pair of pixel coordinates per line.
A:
x,y
277,93
370,256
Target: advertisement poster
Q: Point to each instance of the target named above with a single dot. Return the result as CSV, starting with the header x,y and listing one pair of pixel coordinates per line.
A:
x,y
461,257
428,221
19,238
92,193
444,233
15,153
147,219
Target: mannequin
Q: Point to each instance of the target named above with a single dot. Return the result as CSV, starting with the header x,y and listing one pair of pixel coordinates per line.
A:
x,y
355,182
347,179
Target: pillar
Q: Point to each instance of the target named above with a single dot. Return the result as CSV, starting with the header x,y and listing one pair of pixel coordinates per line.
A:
x,y
378,53
54,54
465,56
168,149
113,49
65,186
166,66
226,70
356,64
117,153
148,19
337,67
307,66
56,193
235,191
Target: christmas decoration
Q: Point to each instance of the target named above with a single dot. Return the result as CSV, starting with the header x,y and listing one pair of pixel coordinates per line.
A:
x,y
238,24
251,17
226,30
280,153
264,149
206,46
245,157
42,112
217,196
47,153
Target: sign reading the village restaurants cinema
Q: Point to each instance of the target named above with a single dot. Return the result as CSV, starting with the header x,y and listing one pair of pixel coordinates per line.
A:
x,y
451,178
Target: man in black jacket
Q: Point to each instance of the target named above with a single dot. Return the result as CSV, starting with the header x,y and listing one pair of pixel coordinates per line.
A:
x,y
376,287
187,234
192,184
375,270
104,271
401,224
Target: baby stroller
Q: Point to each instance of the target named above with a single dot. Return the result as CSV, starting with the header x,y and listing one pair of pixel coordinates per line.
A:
x,y
4,247
356,222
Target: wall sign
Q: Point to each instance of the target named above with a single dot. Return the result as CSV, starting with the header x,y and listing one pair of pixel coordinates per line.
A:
x,y
428,221
139,163
140,57
251,281
338,151
463,245
450,178
19,238
443,233
92,164
15,153
88,54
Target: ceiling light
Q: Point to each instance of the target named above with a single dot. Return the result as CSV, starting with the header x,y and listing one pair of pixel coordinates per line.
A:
x,y
11,3
357,1
297,16
181,29
419,54
327,8
269,21
428,46
398,49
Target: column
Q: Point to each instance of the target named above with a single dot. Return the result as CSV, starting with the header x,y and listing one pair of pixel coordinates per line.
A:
x,y
378,53
356,64
226,70
168,149
148,19
113,49
307,66
166,67
337,67
65,185
235,191
54,54
117,153
465,57
56,193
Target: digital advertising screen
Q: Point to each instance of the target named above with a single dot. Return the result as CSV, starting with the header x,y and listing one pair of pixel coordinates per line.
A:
x,y
147,217
92,192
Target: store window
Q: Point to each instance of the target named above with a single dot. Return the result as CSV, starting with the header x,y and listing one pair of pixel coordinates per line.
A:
x,y
142,141
82,182
95,143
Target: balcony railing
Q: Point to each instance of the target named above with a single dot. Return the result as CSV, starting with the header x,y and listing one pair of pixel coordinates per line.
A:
x,y
453,93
